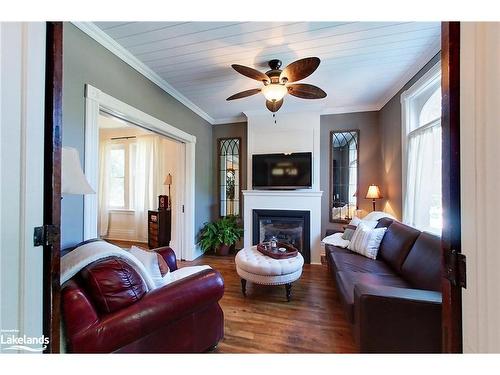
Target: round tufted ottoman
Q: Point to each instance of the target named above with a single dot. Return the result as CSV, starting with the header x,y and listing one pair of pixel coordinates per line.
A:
x,y
253,266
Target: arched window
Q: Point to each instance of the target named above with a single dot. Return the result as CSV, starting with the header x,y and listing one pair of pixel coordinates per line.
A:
x,y
431,110
422,153
229,176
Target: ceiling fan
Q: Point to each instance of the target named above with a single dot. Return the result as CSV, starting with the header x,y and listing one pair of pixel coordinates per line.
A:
x,y
277,82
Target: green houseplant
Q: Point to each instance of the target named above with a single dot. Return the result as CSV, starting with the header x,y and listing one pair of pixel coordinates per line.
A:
x,y
220,235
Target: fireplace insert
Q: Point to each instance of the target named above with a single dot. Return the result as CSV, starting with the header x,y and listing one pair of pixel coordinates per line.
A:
x,y
290,226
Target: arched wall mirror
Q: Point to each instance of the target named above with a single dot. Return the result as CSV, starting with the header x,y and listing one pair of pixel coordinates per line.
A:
x,y
344,151
229,176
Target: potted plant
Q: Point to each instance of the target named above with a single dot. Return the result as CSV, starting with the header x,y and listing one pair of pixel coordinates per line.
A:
x,y
220,235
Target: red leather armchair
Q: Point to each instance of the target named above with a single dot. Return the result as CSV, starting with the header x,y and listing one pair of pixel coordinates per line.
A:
x,y
106,308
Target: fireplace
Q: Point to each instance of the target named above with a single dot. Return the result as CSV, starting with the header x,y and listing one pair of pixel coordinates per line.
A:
x,y
289,226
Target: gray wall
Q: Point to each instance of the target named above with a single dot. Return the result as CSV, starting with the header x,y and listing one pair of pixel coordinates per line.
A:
x,y
238,129
390,127
86,61
370,161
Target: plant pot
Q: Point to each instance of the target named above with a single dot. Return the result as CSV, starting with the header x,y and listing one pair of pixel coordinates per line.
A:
x,y
223,249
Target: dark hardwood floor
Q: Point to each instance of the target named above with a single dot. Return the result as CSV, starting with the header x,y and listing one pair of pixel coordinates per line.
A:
x,y
263,322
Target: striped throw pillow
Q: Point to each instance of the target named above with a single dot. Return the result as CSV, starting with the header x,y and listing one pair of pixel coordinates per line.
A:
x,y
366,241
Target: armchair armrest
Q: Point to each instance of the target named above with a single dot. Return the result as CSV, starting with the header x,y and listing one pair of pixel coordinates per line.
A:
x,y
397,320
157,308
168,254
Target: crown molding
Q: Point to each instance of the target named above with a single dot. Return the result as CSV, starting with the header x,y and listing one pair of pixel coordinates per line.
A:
x,y
433,50
350,109
110,44
229,120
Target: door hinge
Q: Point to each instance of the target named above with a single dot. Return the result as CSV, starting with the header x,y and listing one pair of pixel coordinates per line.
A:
x,y
182,208
46,235
456,268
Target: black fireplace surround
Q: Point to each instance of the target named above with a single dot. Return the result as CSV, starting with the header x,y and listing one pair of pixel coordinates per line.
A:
x,y
287,225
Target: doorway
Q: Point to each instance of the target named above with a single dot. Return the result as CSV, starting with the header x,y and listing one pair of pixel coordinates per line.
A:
x,y
136,166
97,103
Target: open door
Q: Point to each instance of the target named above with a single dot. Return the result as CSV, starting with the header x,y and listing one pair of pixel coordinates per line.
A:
x,y
51,238
453,260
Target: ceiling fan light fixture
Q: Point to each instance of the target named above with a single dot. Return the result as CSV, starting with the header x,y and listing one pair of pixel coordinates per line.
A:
x,y
274,91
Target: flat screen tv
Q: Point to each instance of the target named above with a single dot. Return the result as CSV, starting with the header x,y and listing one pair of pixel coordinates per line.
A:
x,y
282,171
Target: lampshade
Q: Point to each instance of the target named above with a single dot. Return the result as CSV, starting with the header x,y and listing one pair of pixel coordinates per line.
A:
x,y
373,192
274,91
73,180
168,180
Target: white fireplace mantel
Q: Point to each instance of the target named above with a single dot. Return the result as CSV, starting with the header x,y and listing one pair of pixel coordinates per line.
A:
x,y
300,200
282,193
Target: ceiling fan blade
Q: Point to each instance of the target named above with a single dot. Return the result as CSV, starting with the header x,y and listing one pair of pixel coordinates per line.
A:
x,y
300,69
305,91
244,94
274,106
251,73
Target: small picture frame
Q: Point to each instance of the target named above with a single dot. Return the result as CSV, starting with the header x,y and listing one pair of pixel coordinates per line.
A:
x,y
162,202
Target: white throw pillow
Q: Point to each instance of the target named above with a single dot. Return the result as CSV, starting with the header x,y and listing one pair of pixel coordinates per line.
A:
x,y
335,240
377,215
150,261
184,272
369,223
355,221
366,241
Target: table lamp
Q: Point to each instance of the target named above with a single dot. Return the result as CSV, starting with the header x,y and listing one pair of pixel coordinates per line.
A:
x,y
373,194
73,179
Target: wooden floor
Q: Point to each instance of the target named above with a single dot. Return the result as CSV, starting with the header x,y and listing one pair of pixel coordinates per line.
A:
x,y
263,322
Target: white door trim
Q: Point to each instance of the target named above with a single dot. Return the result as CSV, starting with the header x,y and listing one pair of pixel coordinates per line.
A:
x,y
22,90
480,183
96,100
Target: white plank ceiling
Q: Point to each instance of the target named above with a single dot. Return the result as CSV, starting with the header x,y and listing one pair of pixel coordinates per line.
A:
x,y
363,64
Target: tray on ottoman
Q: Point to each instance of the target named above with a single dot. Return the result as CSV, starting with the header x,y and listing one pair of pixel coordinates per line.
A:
x,y
265,249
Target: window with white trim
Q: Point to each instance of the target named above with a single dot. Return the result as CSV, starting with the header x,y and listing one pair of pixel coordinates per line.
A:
x,y
121,174
421,108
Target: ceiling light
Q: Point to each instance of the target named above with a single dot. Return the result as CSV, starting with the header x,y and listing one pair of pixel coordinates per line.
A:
x,y
274,92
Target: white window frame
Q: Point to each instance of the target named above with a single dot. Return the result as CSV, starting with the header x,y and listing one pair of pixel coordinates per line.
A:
x,y
422,84
128,188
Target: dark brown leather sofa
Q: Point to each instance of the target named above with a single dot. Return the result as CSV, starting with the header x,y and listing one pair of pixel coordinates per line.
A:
x,y
394,302
106,308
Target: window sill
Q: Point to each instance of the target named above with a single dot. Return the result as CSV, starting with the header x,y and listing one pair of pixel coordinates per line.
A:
x,y
125,211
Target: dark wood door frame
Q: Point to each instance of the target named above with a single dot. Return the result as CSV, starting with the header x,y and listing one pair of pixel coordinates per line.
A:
x,y
52,185
451,236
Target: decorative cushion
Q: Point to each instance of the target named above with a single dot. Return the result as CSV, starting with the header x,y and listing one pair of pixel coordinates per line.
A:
x,y
356,221
151,263
112,284
366,240
184,272
164,269
384,222
348,233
